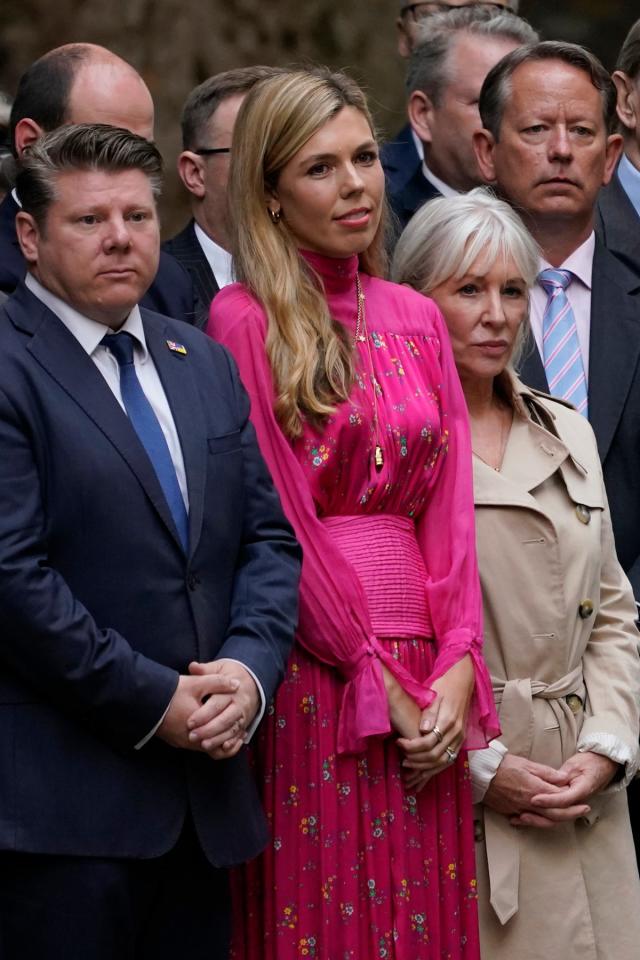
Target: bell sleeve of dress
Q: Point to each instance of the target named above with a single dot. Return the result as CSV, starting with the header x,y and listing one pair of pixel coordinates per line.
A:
x,y
334,623
446,535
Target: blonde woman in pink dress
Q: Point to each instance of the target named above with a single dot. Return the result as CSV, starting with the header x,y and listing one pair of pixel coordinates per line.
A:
x,y
360,416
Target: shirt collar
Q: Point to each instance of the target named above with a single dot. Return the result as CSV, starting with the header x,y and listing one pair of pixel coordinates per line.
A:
x,y
629,178
439,184
580,262
89,333
218,258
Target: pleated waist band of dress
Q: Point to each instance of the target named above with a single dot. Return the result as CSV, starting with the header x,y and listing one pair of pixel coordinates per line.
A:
x,y
384,552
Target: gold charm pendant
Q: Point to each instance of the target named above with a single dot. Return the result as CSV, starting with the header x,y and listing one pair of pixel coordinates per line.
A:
x,y
378,458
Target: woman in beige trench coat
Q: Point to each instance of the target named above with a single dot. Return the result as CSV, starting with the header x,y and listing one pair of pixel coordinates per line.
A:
x,y
557,875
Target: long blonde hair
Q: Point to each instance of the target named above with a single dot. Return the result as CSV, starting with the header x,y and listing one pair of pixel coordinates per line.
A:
x,y
311,356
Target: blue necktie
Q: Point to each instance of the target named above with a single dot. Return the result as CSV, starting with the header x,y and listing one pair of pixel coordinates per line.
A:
x,y
145,423
561,348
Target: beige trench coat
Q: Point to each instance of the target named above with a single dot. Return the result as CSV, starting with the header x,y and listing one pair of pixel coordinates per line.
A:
x,y
559,625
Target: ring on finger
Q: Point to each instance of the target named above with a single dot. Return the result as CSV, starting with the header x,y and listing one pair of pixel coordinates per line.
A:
x,y
437,732
453,756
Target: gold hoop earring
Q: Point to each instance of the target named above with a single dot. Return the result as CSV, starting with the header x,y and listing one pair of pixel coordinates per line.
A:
x,y
275,216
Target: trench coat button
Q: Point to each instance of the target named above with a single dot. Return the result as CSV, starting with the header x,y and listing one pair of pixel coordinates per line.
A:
x,y
583,513
574,703
586,608
478,831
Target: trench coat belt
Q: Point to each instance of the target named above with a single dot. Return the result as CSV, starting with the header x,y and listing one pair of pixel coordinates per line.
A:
x,y
514,699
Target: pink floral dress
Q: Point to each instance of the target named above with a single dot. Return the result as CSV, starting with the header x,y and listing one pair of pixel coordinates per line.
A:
x,y
358,867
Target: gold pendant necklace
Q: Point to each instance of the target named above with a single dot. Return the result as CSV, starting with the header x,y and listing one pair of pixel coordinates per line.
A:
x,y
362,336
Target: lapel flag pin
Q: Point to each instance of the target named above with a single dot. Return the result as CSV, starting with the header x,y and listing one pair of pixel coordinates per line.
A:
x,y
177,347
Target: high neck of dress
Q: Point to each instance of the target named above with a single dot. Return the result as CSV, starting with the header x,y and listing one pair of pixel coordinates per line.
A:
x,y
338,275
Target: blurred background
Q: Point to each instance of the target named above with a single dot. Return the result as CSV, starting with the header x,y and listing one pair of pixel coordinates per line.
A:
x,y
175,44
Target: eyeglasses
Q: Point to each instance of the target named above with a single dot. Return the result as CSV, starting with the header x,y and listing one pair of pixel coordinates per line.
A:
x,y
207,151
419,11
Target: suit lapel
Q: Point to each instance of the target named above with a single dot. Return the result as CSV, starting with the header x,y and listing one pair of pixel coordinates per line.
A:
x,y
175,372
614,345
531,368
60,354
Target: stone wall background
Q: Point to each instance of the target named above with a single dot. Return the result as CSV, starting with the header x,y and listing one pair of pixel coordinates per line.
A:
x,y
176,44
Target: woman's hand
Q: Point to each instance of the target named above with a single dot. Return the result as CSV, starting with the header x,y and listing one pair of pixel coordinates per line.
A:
x,y
442,725
403,710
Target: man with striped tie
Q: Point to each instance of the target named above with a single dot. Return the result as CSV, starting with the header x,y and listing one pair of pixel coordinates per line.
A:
x,y
548,111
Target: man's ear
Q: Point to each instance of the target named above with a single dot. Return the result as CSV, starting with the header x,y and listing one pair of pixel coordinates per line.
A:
x,y
614,149
420,111
484,146
27,132
627,100
191,172
28,234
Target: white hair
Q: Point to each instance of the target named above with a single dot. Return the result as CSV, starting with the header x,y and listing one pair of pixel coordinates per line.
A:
x,y
447,235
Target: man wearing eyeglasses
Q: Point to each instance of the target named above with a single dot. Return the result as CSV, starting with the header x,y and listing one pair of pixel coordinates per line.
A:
x,y
208,118
403,155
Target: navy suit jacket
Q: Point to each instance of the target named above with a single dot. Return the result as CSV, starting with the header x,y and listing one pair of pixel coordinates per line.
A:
x,y
399,159
410,198
100,608
618,224
187,251
171,292
614,396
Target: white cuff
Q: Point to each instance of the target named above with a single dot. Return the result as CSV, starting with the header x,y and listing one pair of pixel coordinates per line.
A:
x,y
483,766
153,730
607,745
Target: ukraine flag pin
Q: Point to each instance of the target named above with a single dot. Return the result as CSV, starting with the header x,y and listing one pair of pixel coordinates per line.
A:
x,y
177,347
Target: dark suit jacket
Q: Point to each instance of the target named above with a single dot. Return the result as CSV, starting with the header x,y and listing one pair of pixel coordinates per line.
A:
x,y
618,224
171,293
100,609
614,396
412,196
188,252
399,159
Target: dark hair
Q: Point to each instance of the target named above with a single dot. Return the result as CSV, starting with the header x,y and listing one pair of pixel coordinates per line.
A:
x,y
204,100
629,56
428,66
82,146
45,88
497,85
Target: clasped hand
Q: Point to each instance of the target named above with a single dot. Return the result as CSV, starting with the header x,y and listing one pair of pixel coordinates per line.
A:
x,y
535,795
211,709
429,738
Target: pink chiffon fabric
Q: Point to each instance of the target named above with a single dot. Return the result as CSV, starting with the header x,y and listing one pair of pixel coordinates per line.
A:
x,y
389,577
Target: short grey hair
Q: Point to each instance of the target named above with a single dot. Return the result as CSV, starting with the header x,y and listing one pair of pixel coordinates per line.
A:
x,y
204,100
429,68
497,86
629,56
447,235
82,146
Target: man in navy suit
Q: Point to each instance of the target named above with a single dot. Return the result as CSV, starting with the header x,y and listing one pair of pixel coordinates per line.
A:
x,y
445,77
148,582
84,83
208,118
402,156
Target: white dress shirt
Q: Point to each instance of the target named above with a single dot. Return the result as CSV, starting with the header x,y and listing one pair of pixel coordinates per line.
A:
x,y
439,184
218,258
580,263
89,334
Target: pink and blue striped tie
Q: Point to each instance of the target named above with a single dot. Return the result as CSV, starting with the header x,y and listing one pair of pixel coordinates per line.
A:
x,y
561,348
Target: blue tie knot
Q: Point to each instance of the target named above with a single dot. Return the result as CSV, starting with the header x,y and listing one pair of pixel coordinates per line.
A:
x,y
552,280
121,346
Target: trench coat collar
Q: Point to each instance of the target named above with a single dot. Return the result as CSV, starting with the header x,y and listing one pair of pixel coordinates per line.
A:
x,y
534,452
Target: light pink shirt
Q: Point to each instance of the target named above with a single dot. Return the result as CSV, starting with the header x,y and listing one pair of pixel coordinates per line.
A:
x,y
580,263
